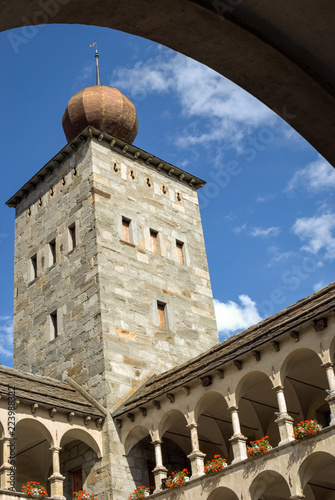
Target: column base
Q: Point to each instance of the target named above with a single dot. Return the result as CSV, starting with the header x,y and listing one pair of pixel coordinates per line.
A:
x,y
56,486
238,442
297,497
197,463
285,426
160,473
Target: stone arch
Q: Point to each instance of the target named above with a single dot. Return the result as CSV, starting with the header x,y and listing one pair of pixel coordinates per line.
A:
x,y
33,455
168,420
134,436
79,460
269,485
262,48
305,383
222,493
214,425
316,474
257,404
79,434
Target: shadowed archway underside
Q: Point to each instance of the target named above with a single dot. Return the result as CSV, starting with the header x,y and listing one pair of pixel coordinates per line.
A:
x,y
280,51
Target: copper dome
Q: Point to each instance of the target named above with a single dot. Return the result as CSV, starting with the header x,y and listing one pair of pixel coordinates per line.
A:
x,y
105,108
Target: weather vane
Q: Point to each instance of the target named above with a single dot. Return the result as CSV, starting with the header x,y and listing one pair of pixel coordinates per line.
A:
x,y
94,44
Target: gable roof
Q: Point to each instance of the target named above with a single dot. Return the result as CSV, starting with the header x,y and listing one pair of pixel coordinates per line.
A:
x,y
47,392
306,310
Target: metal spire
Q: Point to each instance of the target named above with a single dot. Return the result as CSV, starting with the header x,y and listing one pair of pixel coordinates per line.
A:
x,y
94,44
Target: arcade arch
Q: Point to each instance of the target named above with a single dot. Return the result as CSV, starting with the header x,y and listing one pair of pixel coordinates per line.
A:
x,y
269,485
317,476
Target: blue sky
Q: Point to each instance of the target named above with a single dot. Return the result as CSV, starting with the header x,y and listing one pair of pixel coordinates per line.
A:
x,y
267,208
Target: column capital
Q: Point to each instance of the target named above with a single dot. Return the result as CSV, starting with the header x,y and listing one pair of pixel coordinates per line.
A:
x,y
157,442
233,408
297,497
55,448
327,364
278,387
192,425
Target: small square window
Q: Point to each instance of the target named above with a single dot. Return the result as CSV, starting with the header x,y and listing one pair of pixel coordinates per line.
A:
x,y
52,250
180,252
154,241
72,237
161,308
126,229
54,325
33,267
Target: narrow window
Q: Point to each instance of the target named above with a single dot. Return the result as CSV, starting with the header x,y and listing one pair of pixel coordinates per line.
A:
x,y
54,325
161,314
73,236
33,265
154,241
180,252
52,248
126,229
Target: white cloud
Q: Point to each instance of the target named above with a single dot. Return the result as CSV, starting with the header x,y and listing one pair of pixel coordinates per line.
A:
x,y
277,255
320,284
232,317
316,176
265,233
230,112
262,199
6,336
318,233
239,229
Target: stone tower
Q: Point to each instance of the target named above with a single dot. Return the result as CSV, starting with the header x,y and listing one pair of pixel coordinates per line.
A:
x,y
111,276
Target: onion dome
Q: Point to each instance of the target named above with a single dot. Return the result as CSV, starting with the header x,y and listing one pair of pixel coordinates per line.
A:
x,y
102,107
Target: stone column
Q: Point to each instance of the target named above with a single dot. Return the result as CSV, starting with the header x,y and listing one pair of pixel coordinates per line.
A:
x,y
56,479
284,421
160,472
7,470
297,497
237,440
329,367
196,457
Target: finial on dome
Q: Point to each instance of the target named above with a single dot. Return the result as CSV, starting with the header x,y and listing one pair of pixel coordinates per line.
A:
x,y
102,107
94,44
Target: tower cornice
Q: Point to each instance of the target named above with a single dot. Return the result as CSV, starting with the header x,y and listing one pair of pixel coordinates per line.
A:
x,y
128,150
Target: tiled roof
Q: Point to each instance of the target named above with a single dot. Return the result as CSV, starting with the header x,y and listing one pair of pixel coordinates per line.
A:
x,y
46,392
306,310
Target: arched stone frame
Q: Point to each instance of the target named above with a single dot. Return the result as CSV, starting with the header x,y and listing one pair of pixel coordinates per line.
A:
x,y
305,383
257,403
80,457
134,436
140,454
2,435
80,434
33,455
222,493
268,483
332,350
173,428
213,418
316,474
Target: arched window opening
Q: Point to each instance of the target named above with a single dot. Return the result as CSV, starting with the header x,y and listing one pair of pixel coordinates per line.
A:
x,y
33,455
78,464
269,485
257,408
305,385
317,476
214,426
